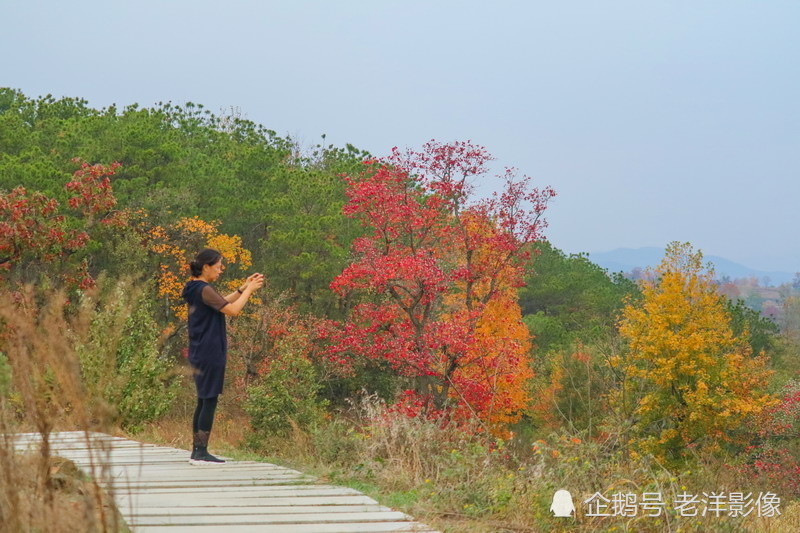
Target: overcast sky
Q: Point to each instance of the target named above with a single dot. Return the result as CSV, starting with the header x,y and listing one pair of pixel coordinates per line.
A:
x,y
654,120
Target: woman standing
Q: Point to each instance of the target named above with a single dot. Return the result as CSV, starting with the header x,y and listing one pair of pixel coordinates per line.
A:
x,y
208,343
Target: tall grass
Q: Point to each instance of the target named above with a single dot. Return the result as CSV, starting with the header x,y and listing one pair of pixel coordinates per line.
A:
x,y
43,391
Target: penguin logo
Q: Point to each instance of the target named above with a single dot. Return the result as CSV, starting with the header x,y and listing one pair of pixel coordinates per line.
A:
x,y
562,506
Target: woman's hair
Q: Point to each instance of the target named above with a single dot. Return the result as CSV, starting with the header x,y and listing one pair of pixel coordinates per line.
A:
x,y
205,257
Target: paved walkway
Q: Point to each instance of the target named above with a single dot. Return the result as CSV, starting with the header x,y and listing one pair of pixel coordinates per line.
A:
x,y
158,491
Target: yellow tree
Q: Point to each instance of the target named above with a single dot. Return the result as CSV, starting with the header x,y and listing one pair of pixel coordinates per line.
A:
x,y
689,380
175,246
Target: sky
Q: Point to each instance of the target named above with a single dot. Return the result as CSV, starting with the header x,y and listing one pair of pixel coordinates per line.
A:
x,y
654,120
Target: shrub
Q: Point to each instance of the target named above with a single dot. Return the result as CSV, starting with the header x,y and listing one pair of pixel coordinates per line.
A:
x,y
285,395
5,376
119,359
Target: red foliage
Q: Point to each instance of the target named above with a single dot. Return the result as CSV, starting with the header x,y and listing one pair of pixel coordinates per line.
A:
x,y
433,262
30,222
33,228
91,188
410,404
776,456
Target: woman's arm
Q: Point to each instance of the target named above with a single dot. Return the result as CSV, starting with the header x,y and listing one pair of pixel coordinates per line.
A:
x,y
254,282
232,297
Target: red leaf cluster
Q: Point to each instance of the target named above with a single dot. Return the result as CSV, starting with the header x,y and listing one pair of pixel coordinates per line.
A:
x,y
776,456
30,223
33,228
91,188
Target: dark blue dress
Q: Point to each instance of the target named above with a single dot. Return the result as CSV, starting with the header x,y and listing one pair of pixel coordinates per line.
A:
x,y
208,341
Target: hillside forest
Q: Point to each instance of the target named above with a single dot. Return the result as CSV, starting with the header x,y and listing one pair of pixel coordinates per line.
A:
x,y
413,340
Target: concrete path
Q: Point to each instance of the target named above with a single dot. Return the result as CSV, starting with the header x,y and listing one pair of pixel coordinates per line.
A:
x,y
158,491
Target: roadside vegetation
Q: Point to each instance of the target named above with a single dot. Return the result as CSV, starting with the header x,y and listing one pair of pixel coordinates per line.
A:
x,y
415,342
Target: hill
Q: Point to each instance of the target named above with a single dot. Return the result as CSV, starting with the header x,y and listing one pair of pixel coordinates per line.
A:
x,y
627,259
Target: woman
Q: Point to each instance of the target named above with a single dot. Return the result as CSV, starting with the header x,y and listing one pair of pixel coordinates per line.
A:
x,y
208,343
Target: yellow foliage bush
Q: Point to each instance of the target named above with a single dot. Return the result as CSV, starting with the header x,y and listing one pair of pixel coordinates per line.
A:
x,y
689,382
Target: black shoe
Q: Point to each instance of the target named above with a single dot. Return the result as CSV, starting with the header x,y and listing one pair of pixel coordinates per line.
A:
x,y
202,457
195,449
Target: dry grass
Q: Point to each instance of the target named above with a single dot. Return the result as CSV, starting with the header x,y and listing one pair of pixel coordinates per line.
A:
x,y
41,492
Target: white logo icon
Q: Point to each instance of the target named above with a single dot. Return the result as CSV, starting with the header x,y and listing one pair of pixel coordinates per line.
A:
x,y
562,504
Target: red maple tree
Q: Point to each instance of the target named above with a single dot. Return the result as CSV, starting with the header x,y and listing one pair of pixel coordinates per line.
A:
x,y
430,267
34,229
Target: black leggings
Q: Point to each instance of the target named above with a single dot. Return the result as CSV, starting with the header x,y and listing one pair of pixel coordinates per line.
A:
x,y
204,414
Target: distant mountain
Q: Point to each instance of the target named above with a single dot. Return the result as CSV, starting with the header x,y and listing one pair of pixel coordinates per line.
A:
x,y
626,259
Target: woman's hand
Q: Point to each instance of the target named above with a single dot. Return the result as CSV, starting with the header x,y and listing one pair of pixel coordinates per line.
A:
x,y
254,281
